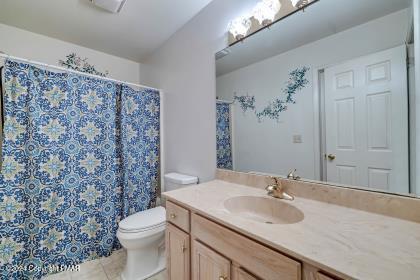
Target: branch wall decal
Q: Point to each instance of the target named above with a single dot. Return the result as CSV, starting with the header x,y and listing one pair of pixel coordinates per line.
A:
x,y
297,81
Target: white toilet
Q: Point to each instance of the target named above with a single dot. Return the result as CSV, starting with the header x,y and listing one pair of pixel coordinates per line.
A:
x,y
143,235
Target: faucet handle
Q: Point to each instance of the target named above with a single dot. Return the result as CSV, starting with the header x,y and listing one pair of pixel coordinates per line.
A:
x,y
276,180
292,175
271,188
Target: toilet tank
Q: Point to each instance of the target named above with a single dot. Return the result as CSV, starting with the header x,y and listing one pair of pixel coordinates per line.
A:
x,y
174,181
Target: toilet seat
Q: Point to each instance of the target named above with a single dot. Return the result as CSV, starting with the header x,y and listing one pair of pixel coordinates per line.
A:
x,y
137,235
160,226
144,221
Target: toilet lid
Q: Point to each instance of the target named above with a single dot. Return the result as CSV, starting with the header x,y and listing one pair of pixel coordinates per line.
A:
x,y
144,220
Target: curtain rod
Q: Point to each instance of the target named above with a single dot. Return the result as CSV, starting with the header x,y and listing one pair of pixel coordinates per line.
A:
x,y
223,101
6,56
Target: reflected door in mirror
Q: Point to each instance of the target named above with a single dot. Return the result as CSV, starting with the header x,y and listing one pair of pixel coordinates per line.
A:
x,y
366,113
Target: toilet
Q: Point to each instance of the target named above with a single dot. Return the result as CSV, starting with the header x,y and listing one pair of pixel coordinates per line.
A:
x,y
143,235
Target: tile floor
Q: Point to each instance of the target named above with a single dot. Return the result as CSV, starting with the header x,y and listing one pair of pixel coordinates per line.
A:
x,y
108,268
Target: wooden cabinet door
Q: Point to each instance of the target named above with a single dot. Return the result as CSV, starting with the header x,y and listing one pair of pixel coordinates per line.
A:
x,y
240,274
260,260
177,253
208,265
321,276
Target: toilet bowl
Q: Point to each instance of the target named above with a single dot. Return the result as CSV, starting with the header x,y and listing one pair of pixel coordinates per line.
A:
x,y
142,235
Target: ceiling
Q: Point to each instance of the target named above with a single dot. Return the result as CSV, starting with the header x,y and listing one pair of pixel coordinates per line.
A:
x,y
140,28
317,22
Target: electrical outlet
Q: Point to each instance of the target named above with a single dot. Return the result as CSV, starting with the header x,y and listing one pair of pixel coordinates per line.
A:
x,y
297,139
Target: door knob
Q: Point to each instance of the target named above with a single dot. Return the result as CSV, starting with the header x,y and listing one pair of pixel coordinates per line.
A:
x,y
173,216
331,157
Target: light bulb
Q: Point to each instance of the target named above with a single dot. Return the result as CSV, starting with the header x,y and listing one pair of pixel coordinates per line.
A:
x,y
299,3
266,11
294,2
274,5
239,27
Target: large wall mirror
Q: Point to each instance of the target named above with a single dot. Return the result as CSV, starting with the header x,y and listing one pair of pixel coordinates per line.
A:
x,y
328,91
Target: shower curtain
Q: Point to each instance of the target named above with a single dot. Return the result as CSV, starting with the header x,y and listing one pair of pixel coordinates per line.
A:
x,y
79,155
223,136
140,135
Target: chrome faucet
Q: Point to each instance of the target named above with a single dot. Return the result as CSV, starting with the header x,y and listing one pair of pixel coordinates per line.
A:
x,y
276,190
292,175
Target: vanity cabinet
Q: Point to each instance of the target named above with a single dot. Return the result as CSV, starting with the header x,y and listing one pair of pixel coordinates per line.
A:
x,y
240,274
178,216
321,276
258,259
178,253
200,249
207,264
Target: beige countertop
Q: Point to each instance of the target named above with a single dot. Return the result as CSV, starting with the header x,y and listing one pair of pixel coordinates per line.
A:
x,y
346,242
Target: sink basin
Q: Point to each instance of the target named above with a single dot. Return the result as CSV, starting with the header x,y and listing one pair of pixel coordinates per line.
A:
x,y
263,210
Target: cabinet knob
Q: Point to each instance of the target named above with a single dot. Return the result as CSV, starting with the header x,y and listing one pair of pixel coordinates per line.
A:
x,y
173,216
223,278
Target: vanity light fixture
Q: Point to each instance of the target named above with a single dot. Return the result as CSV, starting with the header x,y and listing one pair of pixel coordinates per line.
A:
x,y
266,11
239,27
299,3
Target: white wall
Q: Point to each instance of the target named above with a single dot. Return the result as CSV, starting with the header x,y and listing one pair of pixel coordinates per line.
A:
x,y
268,146
416,9
412,113
184,68
33,46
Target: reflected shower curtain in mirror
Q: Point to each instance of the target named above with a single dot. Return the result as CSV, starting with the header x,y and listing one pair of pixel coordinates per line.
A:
x,y
223,136
75,162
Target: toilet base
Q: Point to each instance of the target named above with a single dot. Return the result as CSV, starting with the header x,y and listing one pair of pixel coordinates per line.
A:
x,y
160,267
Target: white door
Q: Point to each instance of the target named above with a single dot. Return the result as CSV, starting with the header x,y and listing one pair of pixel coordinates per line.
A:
x,y
366,115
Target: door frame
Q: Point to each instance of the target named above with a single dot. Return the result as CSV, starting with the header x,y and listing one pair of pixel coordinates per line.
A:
x,y
320,151
416,23
232,134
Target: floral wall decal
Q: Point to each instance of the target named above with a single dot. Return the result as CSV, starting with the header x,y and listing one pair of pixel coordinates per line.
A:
x,y
77,63
245,101
272,110
297,81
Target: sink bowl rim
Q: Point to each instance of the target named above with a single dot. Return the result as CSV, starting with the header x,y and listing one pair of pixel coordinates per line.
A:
x,y
272,211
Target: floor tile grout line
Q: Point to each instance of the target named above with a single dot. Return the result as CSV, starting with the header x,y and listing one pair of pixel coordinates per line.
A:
x,y
103,269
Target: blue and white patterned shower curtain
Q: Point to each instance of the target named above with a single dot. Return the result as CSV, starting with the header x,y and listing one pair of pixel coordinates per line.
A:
x,y
223,136
140,148
79,154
